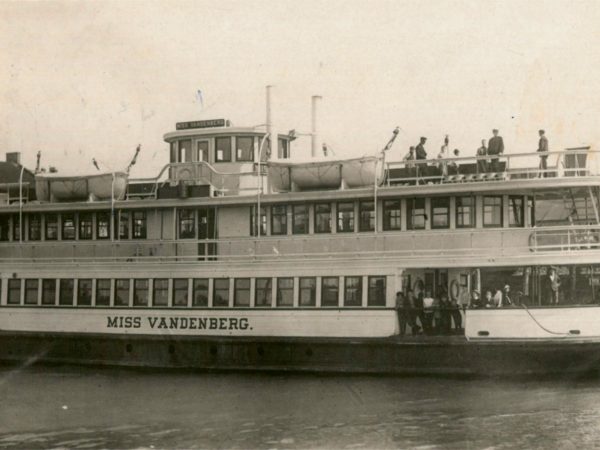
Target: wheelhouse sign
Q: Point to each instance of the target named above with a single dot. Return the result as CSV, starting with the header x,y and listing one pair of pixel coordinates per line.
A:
x,y
202,124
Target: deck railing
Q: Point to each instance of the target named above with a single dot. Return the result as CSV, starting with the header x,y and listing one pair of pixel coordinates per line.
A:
x,y
572,162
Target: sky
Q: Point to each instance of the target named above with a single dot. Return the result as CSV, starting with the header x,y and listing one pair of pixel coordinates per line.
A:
x,y
82,80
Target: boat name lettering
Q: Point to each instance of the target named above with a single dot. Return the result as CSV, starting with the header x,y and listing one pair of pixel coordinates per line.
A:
x,y
179,323
200,124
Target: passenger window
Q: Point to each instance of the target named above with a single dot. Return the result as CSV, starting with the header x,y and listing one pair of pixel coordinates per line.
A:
x,y
278,219
308,291
353,291
48,292
84,292
241,294
221,292
329,291
323,218
223,147
31,291
180,292
102,292
160,294
415,209
440,212
492,211
345,217
285,292
300,219
66,292
263,292
14,291
392,215
200,292
376,294
122,292
140,292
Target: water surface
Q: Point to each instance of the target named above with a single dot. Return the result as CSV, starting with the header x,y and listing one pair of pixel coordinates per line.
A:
x,y
72,407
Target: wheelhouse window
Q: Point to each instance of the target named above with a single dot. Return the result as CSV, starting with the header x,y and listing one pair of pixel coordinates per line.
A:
x,y
345,217
223,148
187,223
85,226
68,226
122,287
415,210
492,211
278,219
49,292
66,291
4,227
263,221
139,225
200,292
202,151
14,291
465,212
440,212
392,215
516,211
31,291
353,291
122,224
51,227
84,292
376,291
300,219
141,288
241,292
221,292
245,148
160,292
263,292
323,218
103,292
308,291
180,292
103,225
285,291
35,227
367,216
185,151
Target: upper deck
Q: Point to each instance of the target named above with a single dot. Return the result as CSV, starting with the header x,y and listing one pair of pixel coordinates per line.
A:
x,y
205,204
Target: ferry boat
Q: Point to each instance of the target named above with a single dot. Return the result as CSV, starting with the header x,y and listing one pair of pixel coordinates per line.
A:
x,y
237,256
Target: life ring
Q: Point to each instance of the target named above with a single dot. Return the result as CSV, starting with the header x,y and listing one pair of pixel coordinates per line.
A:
x,y
454,290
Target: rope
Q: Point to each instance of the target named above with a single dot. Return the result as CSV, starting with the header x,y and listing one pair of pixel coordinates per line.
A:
x,y
540,325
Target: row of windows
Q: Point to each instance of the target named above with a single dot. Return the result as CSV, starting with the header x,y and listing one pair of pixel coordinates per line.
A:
x,y
71,226
245,149
143,292
416,212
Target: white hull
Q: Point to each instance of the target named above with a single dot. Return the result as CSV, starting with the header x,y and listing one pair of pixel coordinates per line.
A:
x,y
276,323
557,323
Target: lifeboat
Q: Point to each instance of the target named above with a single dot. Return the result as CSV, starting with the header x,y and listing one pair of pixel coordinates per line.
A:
x,y
55,187
287,176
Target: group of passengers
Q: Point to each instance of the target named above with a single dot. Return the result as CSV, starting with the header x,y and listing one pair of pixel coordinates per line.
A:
x,y
491,152
428,314
496,298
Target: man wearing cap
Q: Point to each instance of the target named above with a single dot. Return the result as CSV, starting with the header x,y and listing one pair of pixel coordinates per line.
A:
x,y
420,150
495,147
543,149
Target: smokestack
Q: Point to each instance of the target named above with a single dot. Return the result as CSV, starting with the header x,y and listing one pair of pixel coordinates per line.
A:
x,y
315,138
271,129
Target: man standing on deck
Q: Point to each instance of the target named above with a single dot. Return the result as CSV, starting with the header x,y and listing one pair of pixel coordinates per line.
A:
x,y
420,150
482,163
495,147
543,149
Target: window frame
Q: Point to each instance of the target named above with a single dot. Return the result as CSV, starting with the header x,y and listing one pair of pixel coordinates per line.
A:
x,y
311,289
511,210
64,219
32,219
99,291
49,285
141,289
411,215
296,215
103,221
117,289
29,289
80,284
239,290
501,207
139,224
458,204
388,217
178,289
321,214
282,216
197,288
250,157
160,290
325,289
279,301
432,206
13,286
226,152
186,216
263,221
372,291
371,217
340,219
268,291
349,289
62,294
227,288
